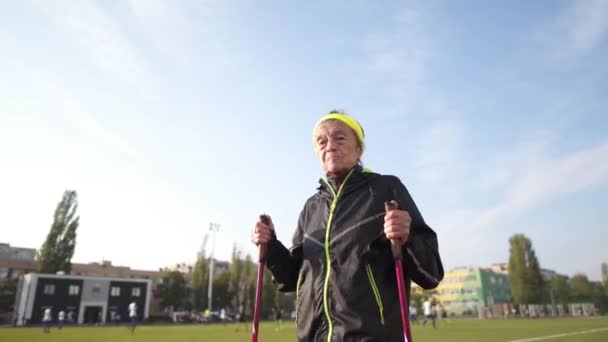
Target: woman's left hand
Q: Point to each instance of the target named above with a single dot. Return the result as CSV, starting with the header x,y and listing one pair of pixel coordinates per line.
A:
x,y
397,225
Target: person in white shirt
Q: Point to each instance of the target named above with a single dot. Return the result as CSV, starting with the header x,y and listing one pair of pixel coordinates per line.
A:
x,y
60,319
428,312
46,320
413,314
133,316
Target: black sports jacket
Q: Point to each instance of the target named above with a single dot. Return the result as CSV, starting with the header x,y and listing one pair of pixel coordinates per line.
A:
x,y
341,265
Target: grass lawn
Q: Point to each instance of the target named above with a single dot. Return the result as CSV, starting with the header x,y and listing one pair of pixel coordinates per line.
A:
x,y
469,330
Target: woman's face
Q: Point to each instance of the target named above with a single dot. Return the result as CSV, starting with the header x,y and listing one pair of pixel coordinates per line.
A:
x,y
336,147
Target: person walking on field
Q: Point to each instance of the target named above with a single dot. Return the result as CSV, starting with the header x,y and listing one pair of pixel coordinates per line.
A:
x,y
47,318
428,313
60,319
340,263
133,316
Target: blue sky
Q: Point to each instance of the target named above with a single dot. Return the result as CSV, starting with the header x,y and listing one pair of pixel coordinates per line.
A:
x,y
166,116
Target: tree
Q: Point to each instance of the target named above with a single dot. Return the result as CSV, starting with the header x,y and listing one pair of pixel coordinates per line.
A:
x,y
8,290
524,271
221,295
559,290
249,280
200,280
172,291
237,279
269,290
582,288
58,248
417,297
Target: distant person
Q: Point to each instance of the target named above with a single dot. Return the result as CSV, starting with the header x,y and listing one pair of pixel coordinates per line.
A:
x,y
71,317
223,315
207,315
237,319
242,321
277,319
413,314
427,306
133,316
60,319
46,321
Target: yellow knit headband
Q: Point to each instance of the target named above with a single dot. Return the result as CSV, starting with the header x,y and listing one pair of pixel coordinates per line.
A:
x,y
349,121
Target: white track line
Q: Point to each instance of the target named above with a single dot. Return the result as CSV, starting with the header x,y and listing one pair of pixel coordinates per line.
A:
x,y
591,331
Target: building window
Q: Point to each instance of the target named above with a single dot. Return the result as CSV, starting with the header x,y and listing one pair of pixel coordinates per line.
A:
x,y
96,288
49,289
115,291
74,290
136,292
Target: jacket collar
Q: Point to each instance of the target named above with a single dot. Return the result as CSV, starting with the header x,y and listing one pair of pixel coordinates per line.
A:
x,y
335,182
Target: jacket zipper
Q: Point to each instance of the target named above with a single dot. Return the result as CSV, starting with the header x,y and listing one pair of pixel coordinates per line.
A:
x,y
372,283
327,259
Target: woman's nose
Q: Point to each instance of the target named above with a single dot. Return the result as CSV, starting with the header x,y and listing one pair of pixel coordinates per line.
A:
x,y
331,145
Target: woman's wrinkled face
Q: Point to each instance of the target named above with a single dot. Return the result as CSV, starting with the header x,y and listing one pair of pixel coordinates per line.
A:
x,y
336,147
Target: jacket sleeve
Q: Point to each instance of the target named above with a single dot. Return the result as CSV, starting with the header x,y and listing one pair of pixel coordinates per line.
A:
x,y
421,251
283,263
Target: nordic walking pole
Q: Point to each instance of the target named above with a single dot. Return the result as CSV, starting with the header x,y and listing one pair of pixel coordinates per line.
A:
x,y
258,288
396,249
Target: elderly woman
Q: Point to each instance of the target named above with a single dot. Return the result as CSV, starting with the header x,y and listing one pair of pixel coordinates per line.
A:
x,y
340,262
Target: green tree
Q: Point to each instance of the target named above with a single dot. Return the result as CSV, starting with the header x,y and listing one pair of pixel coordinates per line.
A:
x,y
600,298
8,290
417,298
237,282
221,294
249,283
172,291
524,271
287,302
269,295
559,290
200,281
582,288
58,248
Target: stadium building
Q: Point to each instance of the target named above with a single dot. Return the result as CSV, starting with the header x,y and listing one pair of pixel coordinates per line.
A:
x,y
475,291
83,299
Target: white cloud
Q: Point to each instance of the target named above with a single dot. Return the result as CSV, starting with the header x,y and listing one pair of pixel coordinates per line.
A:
x,y
169,28
178,35
102,38
440,152
577,31
473,198
527,182
551,178
399,55
86,122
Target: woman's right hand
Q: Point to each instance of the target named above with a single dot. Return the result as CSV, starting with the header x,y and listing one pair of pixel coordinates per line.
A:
x,y
263,230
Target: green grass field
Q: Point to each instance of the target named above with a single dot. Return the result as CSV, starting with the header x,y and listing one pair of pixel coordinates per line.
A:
x,y
584,330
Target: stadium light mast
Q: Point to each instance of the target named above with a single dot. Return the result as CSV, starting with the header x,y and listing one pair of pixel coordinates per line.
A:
x,y
213,227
